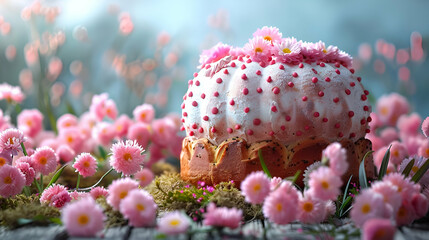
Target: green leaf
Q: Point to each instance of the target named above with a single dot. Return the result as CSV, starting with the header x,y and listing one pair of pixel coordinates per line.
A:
x,y
408,168
363,181
296,176
384,164
56,220
99,181
70,108
24,151
422,170
344,204
102,152
345,193
56,176
264,167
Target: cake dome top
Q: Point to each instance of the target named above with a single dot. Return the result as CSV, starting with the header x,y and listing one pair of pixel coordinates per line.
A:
x,y
267,44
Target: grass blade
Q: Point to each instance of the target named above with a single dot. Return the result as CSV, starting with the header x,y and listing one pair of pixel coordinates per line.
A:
x,y
347,188
422,170
294,177
99,181
103,153
363,181
56,176
264,167
344,204
408,168
384,163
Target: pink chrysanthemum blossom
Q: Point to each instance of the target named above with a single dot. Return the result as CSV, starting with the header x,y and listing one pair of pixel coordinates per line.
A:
x,y
110,109
11,93
390,195
139,208
288,51
28,172
378,229
140,132
332,54
85,164
144,176
12,181
367,205
25,159
144,113
44,160
121,125
255,187
409,125
389,134
391,107
55,195
222,216
77,195
424,148
309,170
5,158
398,152
67,120
215,53
10,141
97,108
418,163
275,183
83,218
406,213
404,185
163,129
344,59
237,52
30,121
126,157
420,204
104,133
311,210
65,154
258,49
313,51
325,184
337,156
119,189
425,127
280,205
72,137
174,223
271,34
98,192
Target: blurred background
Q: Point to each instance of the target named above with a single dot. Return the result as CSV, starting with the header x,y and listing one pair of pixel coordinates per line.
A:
x,y
64,52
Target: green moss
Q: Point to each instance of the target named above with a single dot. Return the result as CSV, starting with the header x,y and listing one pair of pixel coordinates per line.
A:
x,y
113,218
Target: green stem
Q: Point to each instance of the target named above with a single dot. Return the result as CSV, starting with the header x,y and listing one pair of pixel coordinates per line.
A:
x,y
41,182
78,181
27,191
264,167
38,186
23,149
99,181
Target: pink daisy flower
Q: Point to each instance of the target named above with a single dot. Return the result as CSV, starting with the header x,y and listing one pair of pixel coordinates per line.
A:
x,y
144,113
309,170
311,210
65,154
104,133
10,141
398,152
83,218
237,52
126,157
418,163
420,204
258,49
390,195
275,183
55,195
163,129
313,51
425,127
139,208
424,149
11,93
270,34
66,120
404,186
144,176
222,216
119,189
332,53
72,137
337,156
214,54
367,205
389,134
44,160
173,223
409,125
325,184
406,213
280,205
77,195
97,108
28,172
255,187
5,159
288,51
391,107
12,181
140,132
122,125
111,110
85,164
378,229
344,59
30,121
98,192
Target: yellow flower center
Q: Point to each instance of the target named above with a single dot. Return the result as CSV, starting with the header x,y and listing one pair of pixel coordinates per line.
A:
x,y
127,156
119,128
384,110
174,222
11,141
2,161
43,160
140,207
279,207
427,151
402,212
324,50
69,139
379,234
123,195
308,207
258,50
415,169
7,180
257,187
268,38
86,164
83,219
395,153
67,124
143,115
29,123
161,130
325,184
366,208
143,178
286,50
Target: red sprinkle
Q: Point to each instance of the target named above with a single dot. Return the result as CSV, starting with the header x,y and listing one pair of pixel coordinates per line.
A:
x,y
367,130
337,71
314,70
183,106
352,70
301,65
194,126
271,133
243,66
206,118
219,80
321,94
244,76
262,64
249,60
238,126
225,71
240,58
201,130
336,100
197,83
290,84
256,121
316,114
283,127
307,128
366,108
245,91
322,64
216,94
191,133
325,120
340,134
359,79
369,119
185,114
195,74
347,91
194,103
362,121
304,98
298,133
203,96
249,132
337,64
232,102
190,94
213,130
208,66
276,90
366,92
215,110
246,110
274,109
273,62
258,72
229,130
352,135
259,90
337,125
327,79
288,118
314,79
294,74
182,128
233,64
281,67
352,84
269,79
363,97
351,113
